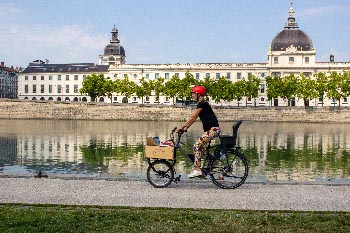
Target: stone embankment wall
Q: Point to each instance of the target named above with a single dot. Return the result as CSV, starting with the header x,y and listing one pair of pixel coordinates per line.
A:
x,y
18,109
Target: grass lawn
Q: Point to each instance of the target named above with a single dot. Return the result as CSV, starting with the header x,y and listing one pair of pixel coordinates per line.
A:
x,y
61,218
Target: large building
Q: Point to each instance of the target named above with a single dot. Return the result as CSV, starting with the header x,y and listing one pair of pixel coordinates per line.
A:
x,y
8,81
291,52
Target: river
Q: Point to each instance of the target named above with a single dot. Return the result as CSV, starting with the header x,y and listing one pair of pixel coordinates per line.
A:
x,y
300,152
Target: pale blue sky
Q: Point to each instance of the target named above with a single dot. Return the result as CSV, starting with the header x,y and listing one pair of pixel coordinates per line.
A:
x,y
165,31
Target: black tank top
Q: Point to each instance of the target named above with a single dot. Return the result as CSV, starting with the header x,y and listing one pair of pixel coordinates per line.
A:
x,y
207,116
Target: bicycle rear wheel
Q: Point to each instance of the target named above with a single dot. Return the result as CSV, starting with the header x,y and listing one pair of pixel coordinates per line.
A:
x,y
160,174
229,172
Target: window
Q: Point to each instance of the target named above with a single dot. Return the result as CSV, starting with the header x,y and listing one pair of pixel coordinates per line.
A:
x,y
228,75
291,60
115,98
26,77
345,100
307,60
197,76
84,77
34,88
239,75
262,88
67,77
67,88
75,77
276,74
135,76
34,77
147,76
177,74
42,77
207,75
42,88
307,74
50,77
25,88
166,75
125,76
262,75
275,60
76,90
156,76
249,74
59,77
59,88
217,75
50,88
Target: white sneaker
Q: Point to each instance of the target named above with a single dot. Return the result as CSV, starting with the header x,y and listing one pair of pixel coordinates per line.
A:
x,y
195,173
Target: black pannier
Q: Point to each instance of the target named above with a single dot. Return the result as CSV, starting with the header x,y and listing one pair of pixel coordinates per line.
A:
x,y
229,141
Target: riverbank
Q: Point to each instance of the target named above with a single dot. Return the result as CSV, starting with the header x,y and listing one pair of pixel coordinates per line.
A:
x,y
25,109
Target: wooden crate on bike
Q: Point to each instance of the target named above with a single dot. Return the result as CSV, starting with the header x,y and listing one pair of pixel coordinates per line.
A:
x,y
159,152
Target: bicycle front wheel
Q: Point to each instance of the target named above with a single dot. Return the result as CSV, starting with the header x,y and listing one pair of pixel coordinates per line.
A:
x,y
229,172
160,174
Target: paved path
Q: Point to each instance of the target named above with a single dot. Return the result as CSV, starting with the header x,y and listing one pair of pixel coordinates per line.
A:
x,y
186,194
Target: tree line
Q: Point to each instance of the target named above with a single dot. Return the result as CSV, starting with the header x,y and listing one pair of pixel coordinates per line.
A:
x,y
332,85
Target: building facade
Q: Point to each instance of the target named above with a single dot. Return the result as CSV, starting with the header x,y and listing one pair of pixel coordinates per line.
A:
x,y
291,52
8,82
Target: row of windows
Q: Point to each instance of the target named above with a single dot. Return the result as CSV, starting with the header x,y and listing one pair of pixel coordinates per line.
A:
x,y
59,89
50,77
207,75
147,76
291,60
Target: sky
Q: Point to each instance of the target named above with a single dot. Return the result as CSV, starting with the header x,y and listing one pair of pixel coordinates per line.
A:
x,y
166,31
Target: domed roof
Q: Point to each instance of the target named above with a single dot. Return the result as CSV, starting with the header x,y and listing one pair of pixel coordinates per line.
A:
x,y
291,36
114,49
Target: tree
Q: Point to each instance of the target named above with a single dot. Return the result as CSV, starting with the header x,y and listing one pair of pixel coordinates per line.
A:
x,y
171,88
158,87
274,87
306,89
321,85
290,88
221,90
252,87
143,90
238,89
126,87
94,86
109,88
185,86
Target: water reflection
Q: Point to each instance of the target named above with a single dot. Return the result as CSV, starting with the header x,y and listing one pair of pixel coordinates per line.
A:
x,y
276,151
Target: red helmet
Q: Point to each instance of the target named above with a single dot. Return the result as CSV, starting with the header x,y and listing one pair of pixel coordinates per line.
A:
x,y
199,90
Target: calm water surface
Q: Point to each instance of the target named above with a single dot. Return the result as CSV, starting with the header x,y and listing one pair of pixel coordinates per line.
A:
x,y
276,151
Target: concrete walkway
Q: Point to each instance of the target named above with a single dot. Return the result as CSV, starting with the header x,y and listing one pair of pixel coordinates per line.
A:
x,y
186,194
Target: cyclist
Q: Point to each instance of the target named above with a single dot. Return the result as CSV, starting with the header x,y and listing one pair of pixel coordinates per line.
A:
x,y
210,127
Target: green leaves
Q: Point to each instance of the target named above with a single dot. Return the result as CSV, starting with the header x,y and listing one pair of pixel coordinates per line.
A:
x,y
95,86
334,86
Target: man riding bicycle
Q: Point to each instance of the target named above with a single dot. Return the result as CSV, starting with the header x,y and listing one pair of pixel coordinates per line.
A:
x,y
210,127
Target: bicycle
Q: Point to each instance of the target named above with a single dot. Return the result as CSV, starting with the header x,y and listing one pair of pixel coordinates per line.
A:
x,y
226,166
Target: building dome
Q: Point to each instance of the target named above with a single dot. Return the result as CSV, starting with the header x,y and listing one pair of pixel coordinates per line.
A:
x,y
114,49
291,37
